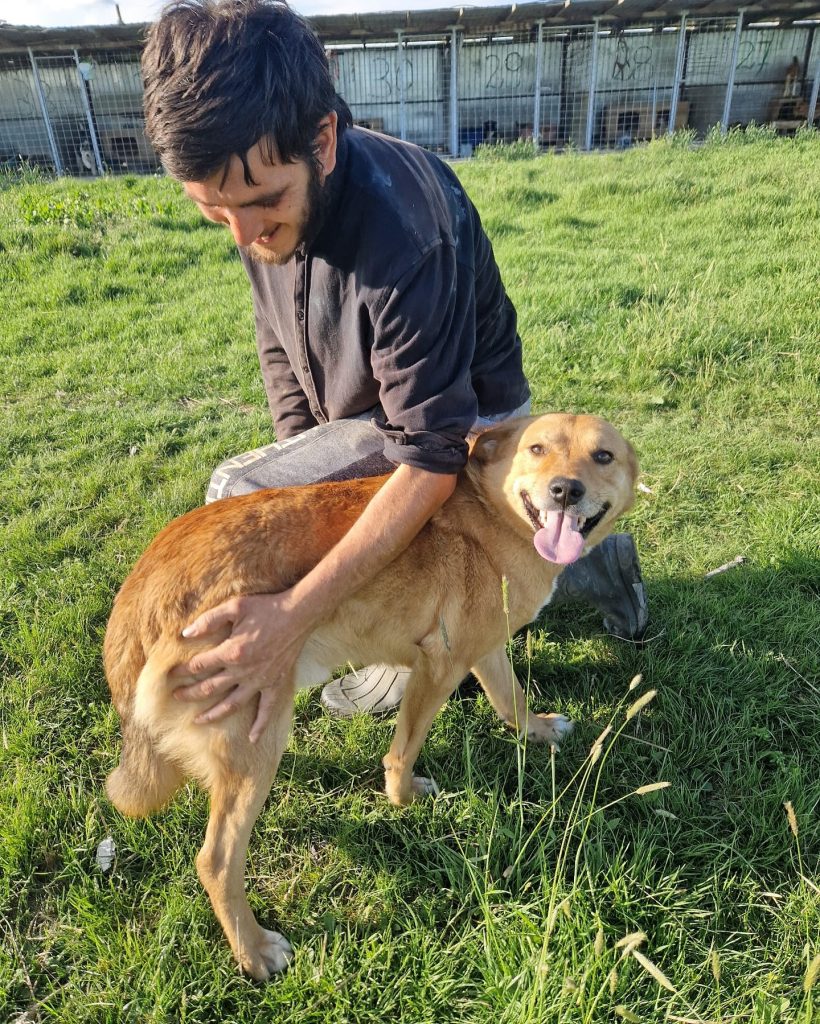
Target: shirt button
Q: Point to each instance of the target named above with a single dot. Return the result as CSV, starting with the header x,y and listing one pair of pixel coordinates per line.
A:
x,y
300,315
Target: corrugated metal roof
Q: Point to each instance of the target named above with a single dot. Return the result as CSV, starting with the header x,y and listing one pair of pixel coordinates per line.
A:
x,y
384,25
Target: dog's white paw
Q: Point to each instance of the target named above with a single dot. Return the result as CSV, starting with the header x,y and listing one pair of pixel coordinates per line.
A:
x,y
271,956
424,787
547,728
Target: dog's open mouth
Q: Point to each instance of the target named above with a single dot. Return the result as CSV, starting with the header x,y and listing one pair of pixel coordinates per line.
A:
x,y
560,535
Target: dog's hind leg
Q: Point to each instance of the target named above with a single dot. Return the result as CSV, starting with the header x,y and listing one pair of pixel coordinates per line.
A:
x,y
499,682
144,780
427,689
238,788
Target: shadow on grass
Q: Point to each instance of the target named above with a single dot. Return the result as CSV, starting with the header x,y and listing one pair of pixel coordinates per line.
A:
x,y
579,224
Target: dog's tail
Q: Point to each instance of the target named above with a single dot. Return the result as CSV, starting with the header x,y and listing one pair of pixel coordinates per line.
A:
x,y
162,744
159,740
146,778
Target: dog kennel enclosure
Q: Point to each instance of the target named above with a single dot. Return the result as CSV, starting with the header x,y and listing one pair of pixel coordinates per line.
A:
x,y
582,73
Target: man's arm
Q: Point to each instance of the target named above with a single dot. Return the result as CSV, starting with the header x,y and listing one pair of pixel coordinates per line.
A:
x,y
422,354
269,631
391,520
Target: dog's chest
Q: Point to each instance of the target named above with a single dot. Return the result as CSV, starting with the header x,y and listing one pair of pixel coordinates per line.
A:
x,y
527,599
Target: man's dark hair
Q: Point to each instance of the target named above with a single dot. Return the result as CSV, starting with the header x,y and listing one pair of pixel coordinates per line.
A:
x,y
222,75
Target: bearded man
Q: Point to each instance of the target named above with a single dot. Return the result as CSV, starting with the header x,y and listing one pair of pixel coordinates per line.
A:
x,y
384,333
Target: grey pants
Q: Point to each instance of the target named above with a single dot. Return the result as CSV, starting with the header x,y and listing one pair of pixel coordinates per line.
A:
x,y
341,450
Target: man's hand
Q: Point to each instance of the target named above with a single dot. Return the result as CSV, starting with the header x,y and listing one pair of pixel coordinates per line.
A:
x,y
258,657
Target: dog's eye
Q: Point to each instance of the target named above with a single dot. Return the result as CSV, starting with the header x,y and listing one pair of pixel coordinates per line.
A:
x,y
537,449
602,457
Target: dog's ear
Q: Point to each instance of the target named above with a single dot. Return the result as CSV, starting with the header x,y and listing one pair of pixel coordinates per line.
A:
x,y
496,442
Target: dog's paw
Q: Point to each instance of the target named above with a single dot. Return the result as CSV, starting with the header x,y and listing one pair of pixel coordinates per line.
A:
x,y
424,787
549,728
270,955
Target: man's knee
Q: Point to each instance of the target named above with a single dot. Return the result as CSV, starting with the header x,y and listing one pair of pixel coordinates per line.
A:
x,y
340,450
221,483
242,474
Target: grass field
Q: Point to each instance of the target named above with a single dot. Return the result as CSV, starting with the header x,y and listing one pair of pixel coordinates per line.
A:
x,y
675,291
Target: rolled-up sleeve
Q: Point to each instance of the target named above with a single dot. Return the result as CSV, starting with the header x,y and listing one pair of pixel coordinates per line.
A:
x,y
287,400
424,340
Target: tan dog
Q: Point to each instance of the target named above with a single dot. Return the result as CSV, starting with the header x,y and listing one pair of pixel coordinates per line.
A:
x,y
537,492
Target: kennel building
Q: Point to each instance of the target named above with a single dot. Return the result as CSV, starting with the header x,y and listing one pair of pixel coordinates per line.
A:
x,y
582,73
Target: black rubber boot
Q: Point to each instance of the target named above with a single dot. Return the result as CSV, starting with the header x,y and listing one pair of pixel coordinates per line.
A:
x,y
609,578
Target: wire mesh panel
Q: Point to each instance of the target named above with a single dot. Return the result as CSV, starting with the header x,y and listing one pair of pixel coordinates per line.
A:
x,y
554,112
426,64
398,88
634,85
771,78
63,93
579,58
812,84
496,89
706,71
115,98
23,129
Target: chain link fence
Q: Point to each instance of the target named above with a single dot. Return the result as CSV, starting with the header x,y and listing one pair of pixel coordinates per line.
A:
x,y
79,111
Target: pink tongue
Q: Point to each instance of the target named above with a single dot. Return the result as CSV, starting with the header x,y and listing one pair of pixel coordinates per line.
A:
x,y
560,540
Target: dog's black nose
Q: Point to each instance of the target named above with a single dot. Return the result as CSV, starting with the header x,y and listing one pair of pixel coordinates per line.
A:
x,y
566,491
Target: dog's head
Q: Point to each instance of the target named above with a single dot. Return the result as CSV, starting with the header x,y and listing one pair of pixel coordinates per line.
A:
x,y
565,479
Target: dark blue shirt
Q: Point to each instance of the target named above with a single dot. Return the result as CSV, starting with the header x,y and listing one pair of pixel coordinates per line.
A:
x,y
397,303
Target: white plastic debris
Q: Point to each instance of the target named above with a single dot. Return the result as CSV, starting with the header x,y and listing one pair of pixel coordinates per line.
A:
x,y
105,854
737,560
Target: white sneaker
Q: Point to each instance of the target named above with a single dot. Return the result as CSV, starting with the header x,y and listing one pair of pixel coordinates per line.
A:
x,y
376,689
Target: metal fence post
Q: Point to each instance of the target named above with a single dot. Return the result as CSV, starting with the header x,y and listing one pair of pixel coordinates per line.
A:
x,y
402,86
454,148
730,85
85,93
813,99
539,71
676,85
593,76
41,97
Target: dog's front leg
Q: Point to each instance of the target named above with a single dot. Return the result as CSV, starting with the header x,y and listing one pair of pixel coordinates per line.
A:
x,y
238,790
429,686
499,682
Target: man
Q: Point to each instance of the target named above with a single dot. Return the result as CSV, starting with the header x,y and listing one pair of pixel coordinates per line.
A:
x,y
385,335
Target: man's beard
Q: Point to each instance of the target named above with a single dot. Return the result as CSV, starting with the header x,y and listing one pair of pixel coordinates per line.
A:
x,y
316,203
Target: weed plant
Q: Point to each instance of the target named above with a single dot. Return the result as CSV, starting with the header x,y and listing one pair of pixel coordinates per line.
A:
x,y
663,865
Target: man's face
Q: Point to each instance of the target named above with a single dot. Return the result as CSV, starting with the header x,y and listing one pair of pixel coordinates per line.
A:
x,y
272,218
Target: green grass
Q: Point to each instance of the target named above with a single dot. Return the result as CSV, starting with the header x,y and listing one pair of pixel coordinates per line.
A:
x,y
672,290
